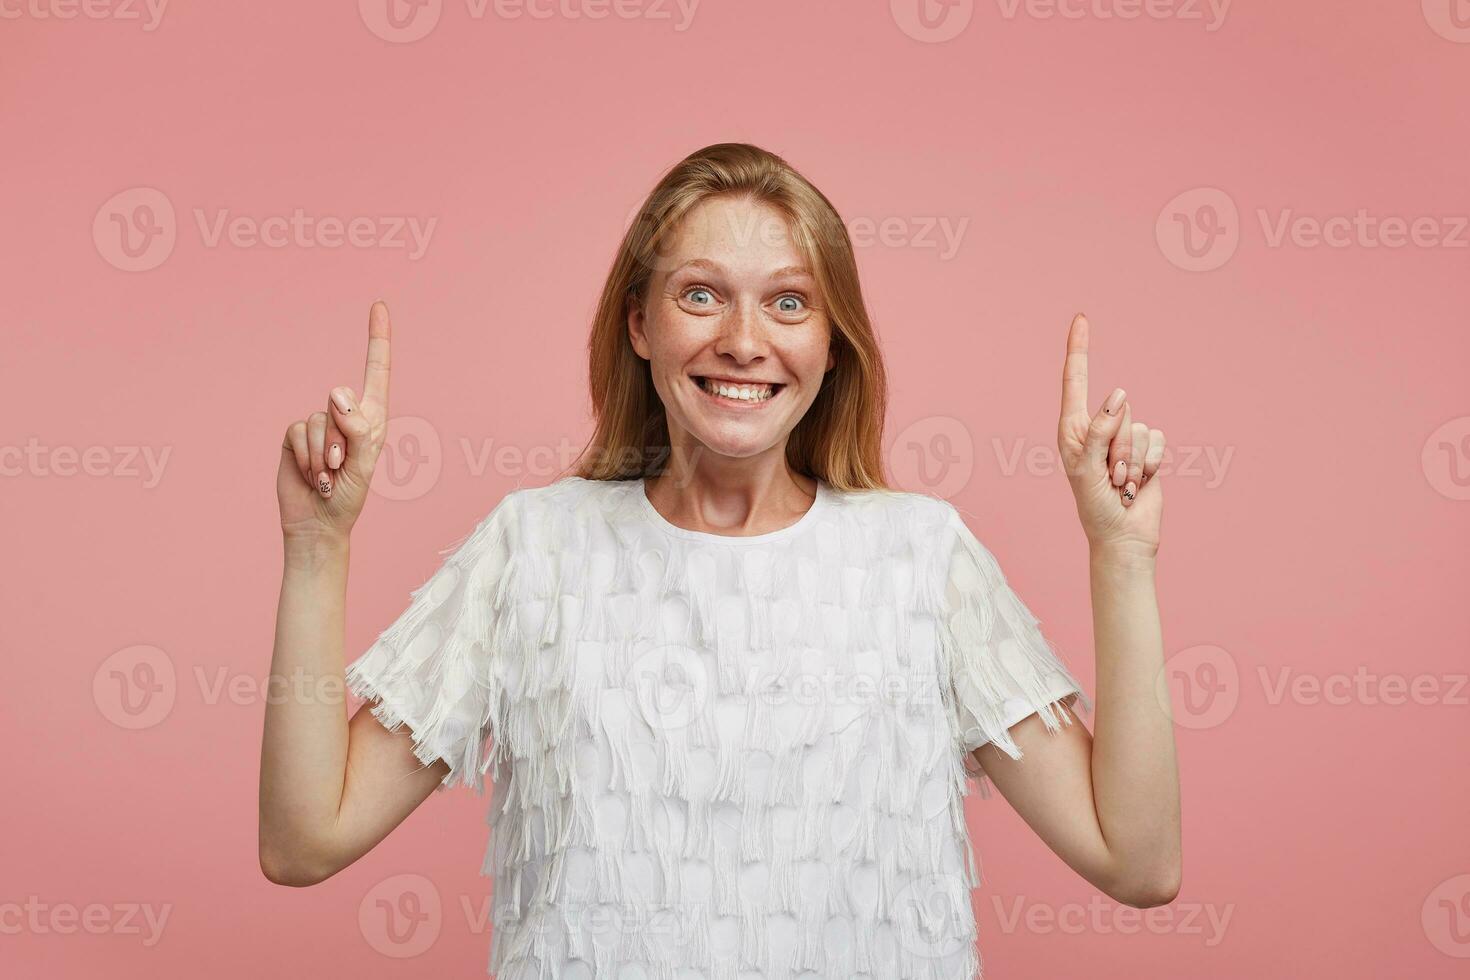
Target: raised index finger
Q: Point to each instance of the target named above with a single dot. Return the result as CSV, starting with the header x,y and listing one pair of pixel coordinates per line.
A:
x,y
375,375
1074,369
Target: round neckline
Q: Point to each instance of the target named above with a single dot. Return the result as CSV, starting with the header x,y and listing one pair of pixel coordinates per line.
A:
x,y
813,513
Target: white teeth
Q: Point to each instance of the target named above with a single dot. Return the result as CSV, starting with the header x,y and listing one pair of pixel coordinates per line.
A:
x,y
750,393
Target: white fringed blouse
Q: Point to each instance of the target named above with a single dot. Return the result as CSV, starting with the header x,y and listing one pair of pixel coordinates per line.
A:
x,y
713,756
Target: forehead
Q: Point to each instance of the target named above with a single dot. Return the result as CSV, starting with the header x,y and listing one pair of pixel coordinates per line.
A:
x,y
744,237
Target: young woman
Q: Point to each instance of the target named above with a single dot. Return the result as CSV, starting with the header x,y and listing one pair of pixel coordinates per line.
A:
x,y
730,688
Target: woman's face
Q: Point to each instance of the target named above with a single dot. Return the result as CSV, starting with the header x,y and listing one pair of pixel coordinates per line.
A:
x,y
733,302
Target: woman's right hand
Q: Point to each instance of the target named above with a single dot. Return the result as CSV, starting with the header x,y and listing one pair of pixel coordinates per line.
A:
x,y
328,458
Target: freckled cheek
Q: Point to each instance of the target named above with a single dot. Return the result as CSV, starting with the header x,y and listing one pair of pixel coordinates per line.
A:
x,y
676,339
808,359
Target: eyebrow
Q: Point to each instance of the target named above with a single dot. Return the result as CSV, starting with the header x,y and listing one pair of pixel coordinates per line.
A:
x,y
708,266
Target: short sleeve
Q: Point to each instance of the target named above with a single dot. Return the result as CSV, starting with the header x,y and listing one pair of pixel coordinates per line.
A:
x,y
1002,668
431,669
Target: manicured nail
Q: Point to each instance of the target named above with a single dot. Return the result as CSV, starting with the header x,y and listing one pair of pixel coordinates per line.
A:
x,y
334,456
342,400
1130,490
324,483
1119,472
1114,402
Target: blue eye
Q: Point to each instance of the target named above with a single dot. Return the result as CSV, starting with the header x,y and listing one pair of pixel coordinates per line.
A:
x,y
698,289
792,299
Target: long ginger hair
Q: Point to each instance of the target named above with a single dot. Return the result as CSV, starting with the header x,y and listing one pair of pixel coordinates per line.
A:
x,y
840,438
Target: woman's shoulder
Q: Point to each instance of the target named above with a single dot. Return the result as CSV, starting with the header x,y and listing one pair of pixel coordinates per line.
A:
x,y
922,509
564,489
564,497
536,521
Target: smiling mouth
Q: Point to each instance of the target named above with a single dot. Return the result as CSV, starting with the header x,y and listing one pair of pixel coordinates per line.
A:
x,y
737,395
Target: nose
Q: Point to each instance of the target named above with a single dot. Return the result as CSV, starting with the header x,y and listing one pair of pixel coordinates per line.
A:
x,y
742,333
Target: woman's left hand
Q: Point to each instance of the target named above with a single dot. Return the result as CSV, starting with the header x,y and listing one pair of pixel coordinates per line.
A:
x,y
1111,461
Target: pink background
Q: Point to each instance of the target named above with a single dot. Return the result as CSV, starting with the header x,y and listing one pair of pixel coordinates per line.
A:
x,y
1313,396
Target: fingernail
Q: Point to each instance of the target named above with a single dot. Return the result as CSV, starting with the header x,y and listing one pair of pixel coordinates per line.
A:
x,y
324,483
1130,490
1114,402
1119,472
342,401
334,456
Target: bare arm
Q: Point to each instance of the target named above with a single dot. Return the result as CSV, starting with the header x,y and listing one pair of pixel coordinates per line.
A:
x,y
330,788
1108,804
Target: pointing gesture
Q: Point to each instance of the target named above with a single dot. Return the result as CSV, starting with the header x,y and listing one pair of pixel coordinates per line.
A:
x,y
328,458
1111,461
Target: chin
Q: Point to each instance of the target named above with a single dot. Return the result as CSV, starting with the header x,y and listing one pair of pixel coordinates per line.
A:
x,y
733,448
